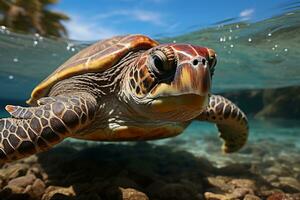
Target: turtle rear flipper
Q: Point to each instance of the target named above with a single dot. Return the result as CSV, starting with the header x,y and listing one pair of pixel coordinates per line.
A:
x,y
36,129
231,122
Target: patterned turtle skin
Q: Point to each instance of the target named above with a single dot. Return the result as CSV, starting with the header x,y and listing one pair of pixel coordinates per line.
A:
x,y
126,88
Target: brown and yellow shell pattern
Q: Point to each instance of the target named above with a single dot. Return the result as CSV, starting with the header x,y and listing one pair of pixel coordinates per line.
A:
x,y
95,58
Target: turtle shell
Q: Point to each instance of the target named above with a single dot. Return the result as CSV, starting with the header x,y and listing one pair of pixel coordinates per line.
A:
x,y
95,58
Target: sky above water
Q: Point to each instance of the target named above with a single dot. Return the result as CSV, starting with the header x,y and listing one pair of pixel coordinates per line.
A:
x,y
97,19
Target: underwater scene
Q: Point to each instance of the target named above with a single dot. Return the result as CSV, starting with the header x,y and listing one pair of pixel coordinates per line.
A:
x,y
257,69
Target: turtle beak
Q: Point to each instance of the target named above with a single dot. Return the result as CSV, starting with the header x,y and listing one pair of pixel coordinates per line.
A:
x,y
190,78
193,78
188,92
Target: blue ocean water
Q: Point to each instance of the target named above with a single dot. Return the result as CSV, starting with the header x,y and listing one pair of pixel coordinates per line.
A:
x,y
278,136
258,55
264,54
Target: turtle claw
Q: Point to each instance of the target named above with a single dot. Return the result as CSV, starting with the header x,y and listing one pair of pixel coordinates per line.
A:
x,y
19,112
10,108
26,113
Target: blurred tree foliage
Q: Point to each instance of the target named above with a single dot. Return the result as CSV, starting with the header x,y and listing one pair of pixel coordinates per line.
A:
x,y
32,16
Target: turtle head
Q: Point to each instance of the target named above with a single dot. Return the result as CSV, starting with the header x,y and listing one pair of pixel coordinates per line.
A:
x,y
172,81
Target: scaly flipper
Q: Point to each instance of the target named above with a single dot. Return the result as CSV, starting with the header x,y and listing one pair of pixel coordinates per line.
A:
x,y
231,122
36,129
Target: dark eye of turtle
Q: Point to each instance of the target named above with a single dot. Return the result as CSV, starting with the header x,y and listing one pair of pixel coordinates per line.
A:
x,y
160,64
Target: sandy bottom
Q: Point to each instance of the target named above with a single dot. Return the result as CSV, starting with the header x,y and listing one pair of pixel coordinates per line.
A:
x,y
77,170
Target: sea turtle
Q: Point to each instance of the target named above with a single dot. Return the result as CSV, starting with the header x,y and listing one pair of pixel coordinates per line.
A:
x,y
125,88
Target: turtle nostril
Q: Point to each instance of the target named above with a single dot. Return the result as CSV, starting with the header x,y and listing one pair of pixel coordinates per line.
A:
x,y
195,62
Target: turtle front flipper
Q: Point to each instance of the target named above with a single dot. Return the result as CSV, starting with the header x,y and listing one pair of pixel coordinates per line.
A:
x,y
36,129
231,122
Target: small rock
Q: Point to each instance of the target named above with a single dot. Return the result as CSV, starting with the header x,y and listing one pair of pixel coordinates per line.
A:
x,y
295,196
28,190
37,189
45,176
13,171
57,191
290,184
277,196
240,192
212,196
271,178
132,194
243,183
30,160
284,196
268,192
251,197
35,171
13,189
220,182
278,169
12,192
22,181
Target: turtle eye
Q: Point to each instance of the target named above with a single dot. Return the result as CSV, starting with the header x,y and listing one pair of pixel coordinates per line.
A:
x,y
160,63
